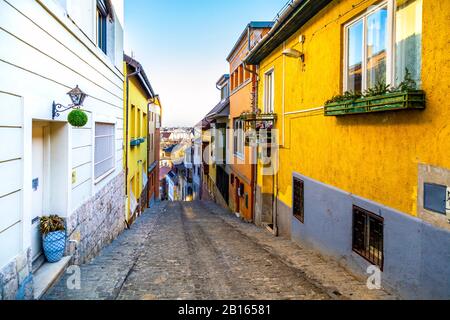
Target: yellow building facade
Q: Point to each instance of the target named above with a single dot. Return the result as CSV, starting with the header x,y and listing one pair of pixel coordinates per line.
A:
x,y
384,166
138,94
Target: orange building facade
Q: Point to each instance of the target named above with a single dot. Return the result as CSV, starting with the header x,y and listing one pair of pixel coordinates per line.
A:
x,y
241,157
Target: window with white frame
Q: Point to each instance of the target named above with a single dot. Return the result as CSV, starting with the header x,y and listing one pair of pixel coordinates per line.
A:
x,y
268,92
104,149
101,20
383,45
239,137
225,91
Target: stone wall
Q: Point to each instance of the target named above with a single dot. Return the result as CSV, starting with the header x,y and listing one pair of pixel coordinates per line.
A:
x,y
97,222
416,253
16,280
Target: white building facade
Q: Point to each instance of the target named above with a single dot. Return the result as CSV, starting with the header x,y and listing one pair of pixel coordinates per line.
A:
x,y
47,167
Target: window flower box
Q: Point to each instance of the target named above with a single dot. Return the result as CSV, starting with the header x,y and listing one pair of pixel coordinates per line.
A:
x,y
411,99
135,142
258,121
252,116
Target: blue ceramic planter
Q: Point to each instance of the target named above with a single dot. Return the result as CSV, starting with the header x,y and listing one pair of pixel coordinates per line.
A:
x,y
54,246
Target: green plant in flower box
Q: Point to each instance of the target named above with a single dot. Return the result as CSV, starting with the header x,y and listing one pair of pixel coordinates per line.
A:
x,y
381,97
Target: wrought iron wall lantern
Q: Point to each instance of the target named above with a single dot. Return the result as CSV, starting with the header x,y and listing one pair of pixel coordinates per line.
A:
x,y
76,95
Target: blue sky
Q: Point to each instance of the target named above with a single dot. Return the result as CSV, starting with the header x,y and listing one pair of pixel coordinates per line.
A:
x,y
183,45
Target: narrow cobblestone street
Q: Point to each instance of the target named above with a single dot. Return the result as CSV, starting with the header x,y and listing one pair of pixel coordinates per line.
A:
x,y
196,250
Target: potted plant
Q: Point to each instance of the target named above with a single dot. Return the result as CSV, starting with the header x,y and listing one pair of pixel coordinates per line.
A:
x,y
53,232
78,118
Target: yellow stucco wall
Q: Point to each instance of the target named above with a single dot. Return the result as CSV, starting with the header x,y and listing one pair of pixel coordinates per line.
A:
x,y
375,156
137,128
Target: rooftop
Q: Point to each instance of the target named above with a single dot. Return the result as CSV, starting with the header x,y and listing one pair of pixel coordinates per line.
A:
x,y
293,16
141,74
251,25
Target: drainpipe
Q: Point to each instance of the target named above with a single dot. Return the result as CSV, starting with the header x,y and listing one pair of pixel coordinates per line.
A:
x,y
275,200
151,101
138,70
248,37
255,83
255,166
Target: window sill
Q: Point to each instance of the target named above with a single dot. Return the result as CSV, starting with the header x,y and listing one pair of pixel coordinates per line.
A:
x,y
299,218
104,176
239,87
414,99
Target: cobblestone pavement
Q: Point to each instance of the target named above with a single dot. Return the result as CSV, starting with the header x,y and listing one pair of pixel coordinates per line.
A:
x,y
197,250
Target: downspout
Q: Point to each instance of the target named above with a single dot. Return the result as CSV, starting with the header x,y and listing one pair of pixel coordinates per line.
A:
x,y
151,101
283,103
276,177
255,82
138,70
248,37
255,166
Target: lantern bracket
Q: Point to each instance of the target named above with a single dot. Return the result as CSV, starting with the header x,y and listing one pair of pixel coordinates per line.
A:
x,y
76,95
58,108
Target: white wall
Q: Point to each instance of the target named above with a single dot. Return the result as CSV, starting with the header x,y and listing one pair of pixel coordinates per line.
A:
x,y
47,48
11,178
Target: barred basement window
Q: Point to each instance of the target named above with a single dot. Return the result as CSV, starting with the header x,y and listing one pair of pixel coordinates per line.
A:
x,y
368,236
299,200
104,149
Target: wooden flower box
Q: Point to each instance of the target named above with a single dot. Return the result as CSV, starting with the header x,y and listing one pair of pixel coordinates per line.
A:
x,y
258,117
135,142
386,102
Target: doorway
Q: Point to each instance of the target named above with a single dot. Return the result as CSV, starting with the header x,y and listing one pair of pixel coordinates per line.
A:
x,y
50,174
39,183
237,195
268,202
